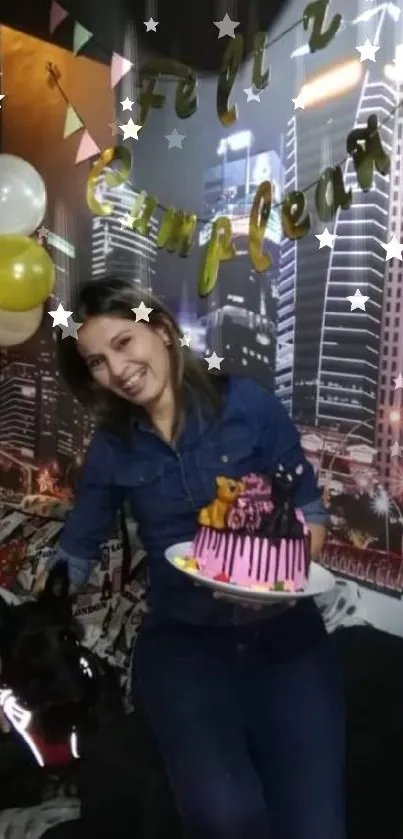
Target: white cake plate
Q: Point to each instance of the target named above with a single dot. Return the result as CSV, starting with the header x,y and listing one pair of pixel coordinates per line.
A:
x,y
320,581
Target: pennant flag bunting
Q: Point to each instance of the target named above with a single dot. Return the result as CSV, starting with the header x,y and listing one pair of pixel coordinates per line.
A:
x,y
87,148
119,67
72,123
57,16
81,37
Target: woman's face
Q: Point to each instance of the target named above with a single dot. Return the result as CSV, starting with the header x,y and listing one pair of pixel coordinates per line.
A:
x,y
131,359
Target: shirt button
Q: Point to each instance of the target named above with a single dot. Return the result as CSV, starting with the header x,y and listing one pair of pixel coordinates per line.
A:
x,y
224,458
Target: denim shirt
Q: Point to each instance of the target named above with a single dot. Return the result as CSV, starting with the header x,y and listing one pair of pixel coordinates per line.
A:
x,y
166,486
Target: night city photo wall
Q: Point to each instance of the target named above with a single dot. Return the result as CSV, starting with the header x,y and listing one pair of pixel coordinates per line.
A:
x,y
263,203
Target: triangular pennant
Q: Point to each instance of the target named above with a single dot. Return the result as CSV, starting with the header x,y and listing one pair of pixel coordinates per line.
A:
x,y
87,148
80,37
72,123
119,67
57,16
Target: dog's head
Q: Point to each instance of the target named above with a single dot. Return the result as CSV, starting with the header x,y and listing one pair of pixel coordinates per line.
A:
x,y
49,682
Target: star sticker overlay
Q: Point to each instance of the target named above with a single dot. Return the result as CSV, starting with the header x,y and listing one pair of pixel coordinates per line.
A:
x,y
43,232
175,139
184,341
214,361
142,312
252,95
395,449
226,26
127,104
130,130
299,102
398,382
357,301
325,239
151,25
71,330
2,96
393,249
127,221
60,316
367,51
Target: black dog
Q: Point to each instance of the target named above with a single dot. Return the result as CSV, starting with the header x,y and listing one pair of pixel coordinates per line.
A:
x,y
51,688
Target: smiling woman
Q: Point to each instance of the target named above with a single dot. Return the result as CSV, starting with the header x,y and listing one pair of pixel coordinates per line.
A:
x,y
206,669
118,365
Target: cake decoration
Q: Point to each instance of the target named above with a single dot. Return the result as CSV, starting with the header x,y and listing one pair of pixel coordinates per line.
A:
x,y
252,535
215,514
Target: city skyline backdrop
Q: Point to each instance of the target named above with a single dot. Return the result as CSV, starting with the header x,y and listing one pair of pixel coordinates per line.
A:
x,y
290,327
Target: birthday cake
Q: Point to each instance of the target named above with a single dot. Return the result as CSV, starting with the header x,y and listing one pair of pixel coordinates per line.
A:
x,y
252,535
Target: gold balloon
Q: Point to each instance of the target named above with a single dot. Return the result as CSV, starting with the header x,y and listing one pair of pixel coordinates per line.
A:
x,y
112,178
220,248
258,220
27,274
177,231
18,327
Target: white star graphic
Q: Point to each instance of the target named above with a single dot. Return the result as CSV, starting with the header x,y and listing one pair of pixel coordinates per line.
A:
x,y
325,239
398,382
2,96
299,102
393,249
142,313
395,449
151,25
367,51
127,104
214,361
184,341
43,232
60,316
127,220
70,331
357,301
175,139
226,26
252,94
130,130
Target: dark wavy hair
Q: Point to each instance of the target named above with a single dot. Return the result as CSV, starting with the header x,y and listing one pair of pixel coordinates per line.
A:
x,y
114,296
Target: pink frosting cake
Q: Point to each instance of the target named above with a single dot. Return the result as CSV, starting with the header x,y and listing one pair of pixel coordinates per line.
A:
x,y
251,534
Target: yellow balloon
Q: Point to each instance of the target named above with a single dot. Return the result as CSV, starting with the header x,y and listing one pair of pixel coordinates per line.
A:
x,y
27,274
18,327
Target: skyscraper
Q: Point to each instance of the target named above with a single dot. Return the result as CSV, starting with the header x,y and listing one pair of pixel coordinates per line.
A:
x,y
333,376
116,248
389,418
349,341
241,314
18,415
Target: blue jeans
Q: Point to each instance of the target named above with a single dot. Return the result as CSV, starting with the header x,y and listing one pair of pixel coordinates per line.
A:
x,y
249,721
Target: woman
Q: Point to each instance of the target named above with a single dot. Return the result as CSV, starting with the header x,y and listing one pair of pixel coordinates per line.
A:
x,y
245,704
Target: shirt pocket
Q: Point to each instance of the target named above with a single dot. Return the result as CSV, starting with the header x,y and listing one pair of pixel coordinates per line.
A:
x,y
229,456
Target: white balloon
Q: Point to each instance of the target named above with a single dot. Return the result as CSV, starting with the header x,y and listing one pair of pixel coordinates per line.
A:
x,y
22,196
17,327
